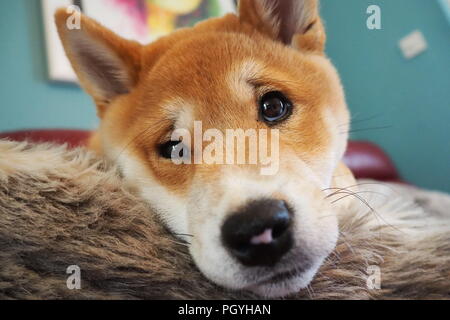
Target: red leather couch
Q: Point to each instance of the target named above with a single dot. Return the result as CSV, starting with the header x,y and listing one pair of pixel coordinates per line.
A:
x,y
365,159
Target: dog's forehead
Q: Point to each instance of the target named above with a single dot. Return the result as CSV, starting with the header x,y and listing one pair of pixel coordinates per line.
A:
x,y
211,76
226,103
201,73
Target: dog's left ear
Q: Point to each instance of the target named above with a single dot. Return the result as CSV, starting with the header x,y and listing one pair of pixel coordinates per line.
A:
x,y
293,22
107,65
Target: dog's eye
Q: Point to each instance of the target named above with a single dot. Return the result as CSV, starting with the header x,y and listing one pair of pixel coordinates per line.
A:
x,y
275,107
170,148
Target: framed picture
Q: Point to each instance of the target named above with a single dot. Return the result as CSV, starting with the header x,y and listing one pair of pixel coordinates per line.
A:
x,y
140,20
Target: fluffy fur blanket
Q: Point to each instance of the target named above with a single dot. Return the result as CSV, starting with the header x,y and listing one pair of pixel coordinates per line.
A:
x,y
62,207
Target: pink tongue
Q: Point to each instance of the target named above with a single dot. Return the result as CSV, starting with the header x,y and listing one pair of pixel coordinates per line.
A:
x,y
264,238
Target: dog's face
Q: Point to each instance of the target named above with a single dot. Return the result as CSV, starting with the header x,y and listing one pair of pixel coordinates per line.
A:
x,y
263,69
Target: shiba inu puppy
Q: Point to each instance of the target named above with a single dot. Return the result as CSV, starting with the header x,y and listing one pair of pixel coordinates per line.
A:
x,y
262,69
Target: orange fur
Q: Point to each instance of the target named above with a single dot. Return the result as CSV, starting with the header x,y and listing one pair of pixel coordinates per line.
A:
x,y
156,70
215,72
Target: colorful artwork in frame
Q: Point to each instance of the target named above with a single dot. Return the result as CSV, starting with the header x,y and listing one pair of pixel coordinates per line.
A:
x,y
140,20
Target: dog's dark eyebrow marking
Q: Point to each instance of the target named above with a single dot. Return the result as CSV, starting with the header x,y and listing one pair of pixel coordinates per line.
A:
x,y
257,83
309,27
168,132
275,84
142,135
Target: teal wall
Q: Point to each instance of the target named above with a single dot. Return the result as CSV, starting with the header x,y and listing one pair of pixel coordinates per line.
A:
x,y
411,98
28,100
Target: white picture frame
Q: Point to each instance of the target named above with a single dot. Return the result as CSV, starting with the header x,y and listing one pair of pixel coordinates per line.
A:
x,y
59,68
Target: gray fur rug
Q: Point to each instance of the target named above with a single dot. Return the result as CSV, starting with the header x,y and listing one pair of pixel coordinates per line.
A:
x,y
62,207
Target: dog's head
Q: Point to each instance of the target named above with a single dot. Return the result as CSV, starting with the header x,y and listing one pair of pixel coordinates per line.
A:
x,y
263,69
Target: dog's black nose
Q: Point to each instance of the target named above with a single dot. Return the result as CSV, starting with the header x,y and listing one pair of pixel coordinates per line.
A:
x,y
259,234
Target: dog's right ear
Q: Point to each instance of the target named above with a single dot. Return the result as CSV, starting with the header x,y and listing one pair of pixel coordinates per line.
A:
x,y
295,23
107,65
